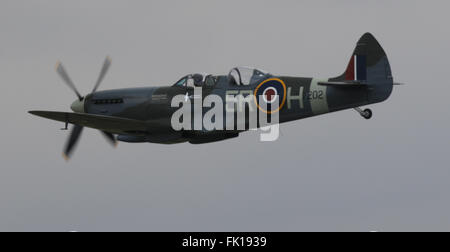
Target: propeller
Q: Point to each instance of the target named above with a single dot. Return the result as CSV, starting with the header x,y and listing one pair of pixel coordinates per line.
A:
x,y
105,68
72,141
62,72
110,138
77,129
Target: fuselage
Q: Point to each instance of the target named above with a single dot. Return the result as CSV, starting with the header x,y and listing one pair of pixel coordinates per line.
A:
x,y
304,98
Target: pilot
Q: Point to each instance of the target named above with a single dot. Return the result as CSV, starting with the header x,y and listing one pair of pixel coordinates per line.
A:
x,y
198,80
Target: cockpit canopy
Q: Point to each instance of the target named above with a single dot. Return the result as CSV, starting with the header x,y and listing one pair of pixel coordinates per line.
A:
x,y
237,76
197,80
246,75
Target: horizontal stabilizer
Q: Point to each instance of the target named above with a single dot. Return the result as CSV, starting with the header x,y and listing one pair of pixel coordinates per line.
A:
x,y
342,83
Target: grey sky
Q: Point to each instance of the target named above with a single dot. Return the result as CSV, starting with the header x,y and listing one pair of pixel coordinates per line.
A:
x,y
328,173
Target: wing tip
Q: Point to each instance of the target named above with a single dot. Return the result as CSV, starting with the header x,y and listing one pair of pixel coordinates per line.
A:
x,y
40,113
34,112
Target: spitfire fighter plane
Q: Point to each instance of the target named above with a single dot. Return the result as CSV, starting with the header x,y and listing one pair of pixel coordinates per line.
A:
x,y
144,114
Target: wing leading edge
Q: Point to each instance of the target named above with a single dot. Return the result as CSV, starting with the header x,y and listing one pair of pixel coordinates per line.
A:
x,y
116,125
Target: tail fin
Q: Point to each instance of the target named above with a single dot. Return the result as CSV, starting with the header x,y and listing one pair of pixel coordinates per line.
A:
x,y
369,65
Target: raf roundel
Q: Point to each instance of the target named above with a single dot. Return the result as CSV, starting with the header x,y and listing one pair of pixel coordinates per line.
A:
x,y
270,95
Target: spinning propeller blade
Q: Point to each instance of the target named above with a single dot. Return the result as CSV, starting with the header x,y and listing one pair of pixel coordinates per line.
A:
x,y
103,72
72,141
63,74
110,137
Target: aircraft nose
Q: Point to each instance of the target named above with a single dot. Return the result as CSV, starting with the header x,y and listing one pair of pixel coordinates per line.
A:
x,y
77,106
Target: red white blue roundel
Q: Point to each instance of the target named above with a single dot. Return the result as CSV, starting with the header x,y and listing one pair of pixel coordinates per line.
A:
x,y
270,95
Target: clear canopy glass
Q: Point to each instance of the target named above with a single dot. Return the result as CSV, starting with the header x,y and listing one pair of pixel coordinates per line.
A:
x,y
197,79
237,76
246,75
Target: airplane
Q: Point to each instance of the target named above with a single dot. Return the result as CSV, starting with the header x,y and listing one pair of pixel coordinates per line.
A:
x,y
137,115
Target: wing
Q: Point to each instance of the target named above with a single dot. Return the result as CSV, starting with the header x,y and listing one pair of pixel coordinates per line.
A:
x,y
116,125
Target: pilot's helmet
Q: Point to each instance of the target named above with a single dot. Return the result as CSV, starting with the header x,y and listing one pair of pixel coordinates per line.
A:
x,y
198,80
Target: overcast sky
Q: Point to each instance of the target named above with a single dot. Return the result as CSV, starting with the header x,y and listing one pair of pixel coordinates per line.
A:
x,y
335,172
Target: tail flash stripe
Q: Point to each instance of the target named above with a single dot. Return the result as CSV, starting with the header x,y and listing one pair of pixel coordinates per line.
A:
x,y
361,68
357,68
350,72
